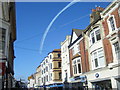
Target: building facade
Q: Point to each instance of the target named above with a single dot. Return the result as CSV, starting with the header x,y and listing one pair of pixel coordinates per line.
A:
x,y
96,63
7,38
51,76
65,61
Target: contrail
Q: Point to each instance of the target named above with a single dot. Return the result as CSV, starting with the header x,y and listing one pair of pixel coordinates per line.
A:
x,y
53,20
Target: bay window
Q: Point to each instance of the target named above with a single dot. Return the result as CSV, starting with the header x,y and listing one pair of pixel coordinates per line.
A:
x,y
98,58
95,36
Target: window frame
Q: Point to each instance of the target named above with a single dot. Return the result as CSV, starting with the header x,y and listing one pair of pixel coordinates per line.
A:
x,y
109,25
76,67
118,51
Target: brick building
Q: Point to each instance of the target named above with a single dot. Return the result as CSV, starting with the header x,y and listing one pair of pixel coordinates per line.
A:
x,y
95,51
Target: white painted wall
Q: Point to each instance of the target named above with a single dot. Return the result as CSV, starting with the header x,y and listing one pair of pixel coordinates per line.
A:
x,y
65,59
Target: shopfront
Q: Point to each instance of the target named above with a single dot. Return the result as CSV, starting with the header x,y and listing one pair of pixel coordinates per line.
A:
x,y
102,85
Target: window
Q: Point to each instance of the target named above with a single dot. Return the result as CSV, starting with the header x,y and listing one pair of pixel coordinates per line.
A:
x,y
50,56
46,69
98,58
60,75
50,65
79,68
76,66
2,40
117,50
98,37
59,55
95,36
51,76
95,59
46,61
46,78
42,80
75,69
112,24
59,64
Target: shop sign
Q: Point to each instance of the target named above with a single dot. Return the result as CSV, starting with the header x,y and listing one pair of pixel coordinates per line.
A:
x,y
96,75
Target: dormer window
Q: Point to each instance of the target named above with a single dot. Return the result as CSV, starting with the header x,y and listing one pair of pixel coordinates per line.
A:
x,y
95,36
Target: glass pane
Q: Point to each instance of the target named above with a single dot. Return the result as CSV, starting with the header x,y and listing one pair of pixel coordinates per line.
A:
x,y
93,38
101,61
112,23
79,68
96,62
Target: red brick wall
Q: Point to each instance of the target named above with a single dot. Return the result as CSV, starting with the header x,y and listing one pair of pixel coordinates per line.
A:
x,y
84,57
108,51
71,68
105,26
117,19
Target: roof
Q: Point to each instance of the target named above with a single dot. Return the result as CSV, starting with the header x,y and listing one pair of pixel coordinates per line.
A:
x,y
77,31
56,50
94,22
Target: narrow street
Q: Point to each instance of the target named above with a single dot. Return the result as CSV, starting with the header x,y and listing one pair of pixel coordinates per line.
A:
x,y
59,45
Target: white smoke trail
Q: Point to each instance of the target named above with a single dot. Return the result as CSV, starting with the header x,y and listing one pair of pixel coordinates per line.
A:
x,y
53,20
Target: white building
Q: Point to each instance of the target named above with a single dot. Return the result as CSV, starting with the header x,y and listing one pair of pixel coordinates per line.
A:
x,y
31,82
51,70
65,59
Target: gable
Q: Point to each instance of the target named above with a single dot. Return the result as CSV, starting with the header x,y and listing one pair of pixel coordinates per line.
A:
x,y
74,37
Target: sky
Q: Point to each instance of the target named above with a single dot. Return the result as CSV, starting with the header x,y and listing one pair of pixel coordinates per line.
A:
x,y
32,19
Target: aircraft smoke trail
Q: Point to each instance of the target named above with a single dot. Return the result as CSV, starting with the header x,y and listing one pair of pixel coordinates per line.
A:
x,y
53,20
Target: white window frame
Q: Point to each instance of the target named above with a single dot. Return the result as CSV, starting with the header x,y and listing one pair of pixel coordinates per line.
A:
x,y
115,56
76,60
119,12
109,25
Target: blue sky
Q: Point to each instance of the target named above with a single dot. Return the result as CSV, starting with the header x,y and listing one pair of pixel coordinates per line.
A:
x,y
32,20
